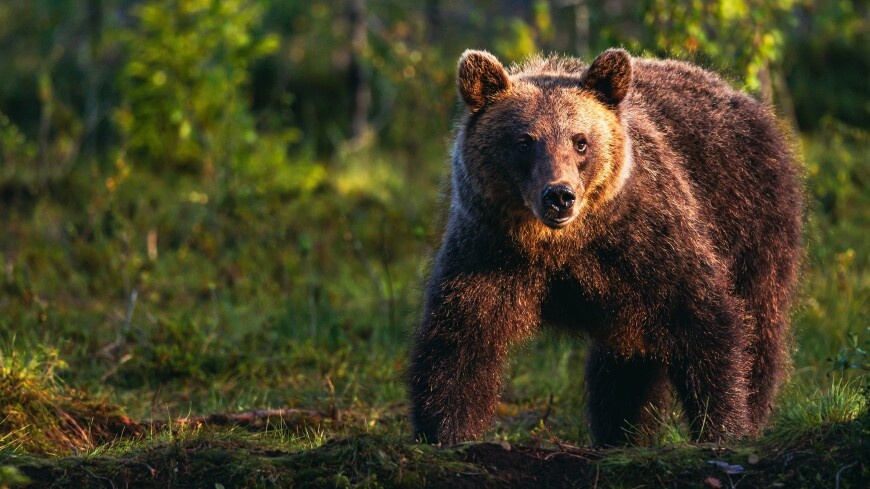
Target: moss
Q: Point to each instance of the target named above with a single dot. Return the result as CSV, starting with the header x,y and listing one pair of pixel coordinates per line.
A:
x,y
207,459
360,461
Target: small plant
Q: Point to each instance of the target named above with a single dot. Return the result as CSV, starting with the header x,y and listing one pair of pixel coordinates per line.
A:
x,y
819,417
854,357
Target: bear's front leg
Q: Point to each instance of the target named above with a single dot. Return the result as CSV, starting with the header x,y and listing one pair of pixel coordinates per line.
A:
x,y
469,324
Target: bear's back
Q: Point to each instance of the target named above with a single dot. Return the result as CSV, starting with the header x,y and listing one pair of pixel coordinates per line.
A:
x,y
697,110
737,159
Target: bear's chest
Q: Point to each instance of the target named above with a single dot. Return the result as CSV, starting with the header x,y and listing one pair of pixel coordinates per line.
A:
x,y
606,299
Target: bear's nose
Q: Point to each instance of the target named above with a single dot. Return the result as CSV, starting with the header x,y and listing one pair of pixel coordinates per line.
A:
x,y
558,197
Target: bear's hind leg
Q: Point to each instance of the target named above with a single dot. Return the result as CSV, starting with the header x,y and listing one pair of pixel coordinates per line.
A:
x,y
769,356
623,396
765,288
709,366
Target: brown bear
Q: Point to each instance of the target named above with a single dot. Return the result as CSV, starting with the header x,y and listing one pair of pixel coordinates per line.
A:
x,y
643,203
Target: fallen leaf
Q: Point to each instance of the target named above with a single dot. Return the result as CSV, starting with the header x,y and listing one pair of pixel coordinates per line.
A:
x,y
712,482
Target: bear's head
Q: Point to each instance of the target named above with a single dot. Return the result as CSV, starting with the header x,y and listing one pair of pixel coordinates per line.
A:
x,y
544,140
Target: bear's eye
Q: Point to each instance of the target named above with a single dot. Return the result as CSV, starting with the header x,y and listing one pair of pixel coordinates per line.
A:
x,y
524,143
580,144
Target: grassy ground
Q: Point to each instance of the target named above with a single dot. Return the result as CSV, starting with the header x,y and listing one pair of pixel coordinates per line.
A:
x,y
133,306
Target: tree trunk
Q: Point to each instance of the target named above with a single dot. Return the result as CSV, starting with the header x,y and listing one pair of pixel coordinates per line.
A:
x,y
358,77
93,75
581,28
433,21
581,25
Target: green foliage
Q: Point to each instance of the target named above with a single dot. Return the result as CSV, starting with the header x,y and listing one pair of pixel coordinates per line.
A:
x,y
182,86
827,66
837,281
839,174
749,34
15,150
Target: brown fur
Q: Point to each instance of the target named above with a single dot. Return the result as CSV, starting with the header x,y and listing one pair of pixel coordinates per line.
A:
x,y
676,254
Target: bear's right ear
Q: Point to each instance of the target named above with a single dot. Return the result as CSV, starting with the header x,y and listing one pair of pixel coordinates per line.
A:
x,y
609,77
481,77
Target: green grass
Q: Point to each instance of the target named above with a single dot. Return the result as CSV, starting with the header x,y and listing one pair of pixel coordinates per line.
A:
x,y
128,297
203,457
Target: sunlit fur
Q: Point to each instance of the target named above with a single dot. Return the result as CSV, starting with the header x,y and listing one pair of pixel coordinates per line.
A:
x,y
678,265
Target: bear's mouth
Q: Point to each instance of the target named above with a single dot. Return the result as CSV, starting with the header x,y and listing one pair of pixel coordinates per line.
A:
x,y
557,220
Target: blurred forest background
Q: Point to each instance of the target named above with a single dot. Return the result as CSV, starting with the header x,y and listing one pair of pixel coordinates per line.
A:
x,y
211,205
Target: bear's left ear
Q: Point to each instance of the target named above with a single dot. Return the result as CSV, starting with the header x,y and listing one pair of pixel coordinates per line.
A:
x,y
609,76
481,77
